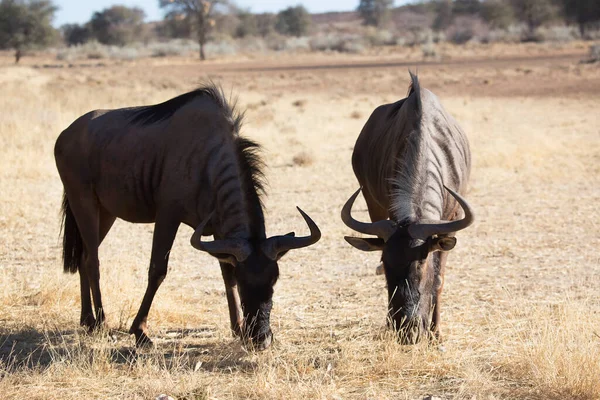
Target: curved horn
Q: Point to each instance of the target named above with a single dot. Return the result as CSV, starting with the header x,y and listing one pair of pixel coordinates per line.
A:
x,y
276,245
238,248
426,228
383,229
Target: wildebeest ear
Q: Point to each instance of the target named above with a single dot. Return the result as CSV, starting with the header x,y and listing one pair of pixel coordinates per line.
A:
x,y
443,243
365,244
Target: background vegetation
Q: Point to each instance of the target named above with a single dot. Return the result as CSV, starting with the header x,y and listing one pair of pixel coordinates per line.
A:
x,y
192,25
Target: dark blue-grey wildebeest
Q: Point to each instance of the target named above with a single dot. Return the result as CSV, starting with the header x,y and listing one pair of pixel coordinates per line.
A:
x,y
412,160
181,161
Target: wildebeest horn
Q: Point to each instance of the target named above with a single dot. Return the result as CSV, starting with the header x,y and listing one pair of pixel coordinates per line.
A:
x,y
383,229
426,228
276,245
238,248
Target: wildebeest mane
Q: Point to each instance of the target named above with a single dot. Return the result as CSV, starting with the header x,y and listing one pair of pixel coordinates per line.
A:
x,y
408,181
247,151
253,181
147,115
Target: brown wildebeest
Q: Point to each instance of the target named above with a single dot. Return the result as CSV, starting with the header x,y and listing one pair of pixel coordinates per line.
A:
x,y
409,156
182,161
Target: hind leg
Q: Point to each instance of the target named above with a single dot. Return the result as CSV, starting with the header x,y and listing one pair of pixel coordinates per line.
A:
x,y
87,320
86,210
105,222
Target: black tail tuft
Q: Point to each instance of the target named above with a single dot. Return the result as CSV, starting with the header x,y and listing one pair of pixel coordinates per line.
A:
x,y
72,243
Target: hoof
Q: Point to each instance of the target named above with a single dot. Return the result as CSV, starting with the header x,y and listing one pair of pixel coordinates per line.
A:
x,y
236,331
379,270
265,344
142,341
260,344
90,324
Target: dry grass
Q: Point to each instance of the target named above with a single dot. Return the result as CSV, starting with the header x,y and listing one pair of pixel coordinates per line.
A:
x,y
521,313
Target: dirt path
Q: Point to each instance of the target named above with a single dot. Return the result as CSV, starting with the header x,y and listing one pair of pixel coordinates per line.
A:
x,y
541,76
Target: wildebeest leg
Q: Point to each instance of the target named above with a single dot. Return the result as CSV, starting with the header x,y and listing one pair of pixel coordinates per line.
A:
x,y
435,320
86,210
87,317
233,298
165,230
376,213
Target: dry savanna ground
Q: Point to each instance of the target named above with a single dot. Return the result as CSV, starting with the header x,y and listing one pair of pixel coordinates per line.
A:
x,y
521,312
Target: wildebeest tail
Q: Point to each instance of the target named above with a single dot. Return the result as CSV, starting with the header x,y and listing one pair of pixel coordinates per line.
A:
x,y
415,88
72,242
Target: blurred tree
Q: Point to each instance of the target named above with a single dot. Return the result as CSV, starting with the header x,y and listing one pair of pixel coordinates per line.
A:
x,y
118,25
375,12
225,24
443,15
293,21
201,12
176,25
582,12
247,25
74,34
497,13
466,7
534,13
265,23
25,24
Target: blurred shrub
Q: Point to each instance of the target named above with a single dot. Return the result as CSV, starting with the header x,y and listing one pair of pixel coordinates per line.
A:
x,y
297,44
466,28
497,13
380,37
429,50
247,25
510,35
95,51
374,12
421,36
74,34
533,13
177,47
344,43
265,24
222,46
556,34
293,21
118,25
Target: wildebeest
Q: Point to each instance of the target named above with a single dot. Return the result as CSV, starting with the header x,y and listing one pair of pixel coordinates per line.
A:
x,y
181,161
408,157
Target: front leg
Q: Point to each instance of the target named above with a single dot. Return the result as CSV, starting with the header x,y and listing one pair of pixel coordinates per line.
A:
x,y
435,320
233,299
162,241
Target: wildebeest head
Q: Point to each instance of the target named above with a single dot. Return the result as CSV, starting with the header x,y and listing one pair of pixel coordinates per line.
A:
x,y
413,278
256,271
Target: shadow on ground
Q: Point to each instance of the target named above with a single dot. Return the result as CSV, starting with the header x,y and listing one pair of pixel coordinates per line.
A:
x,y
187,349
